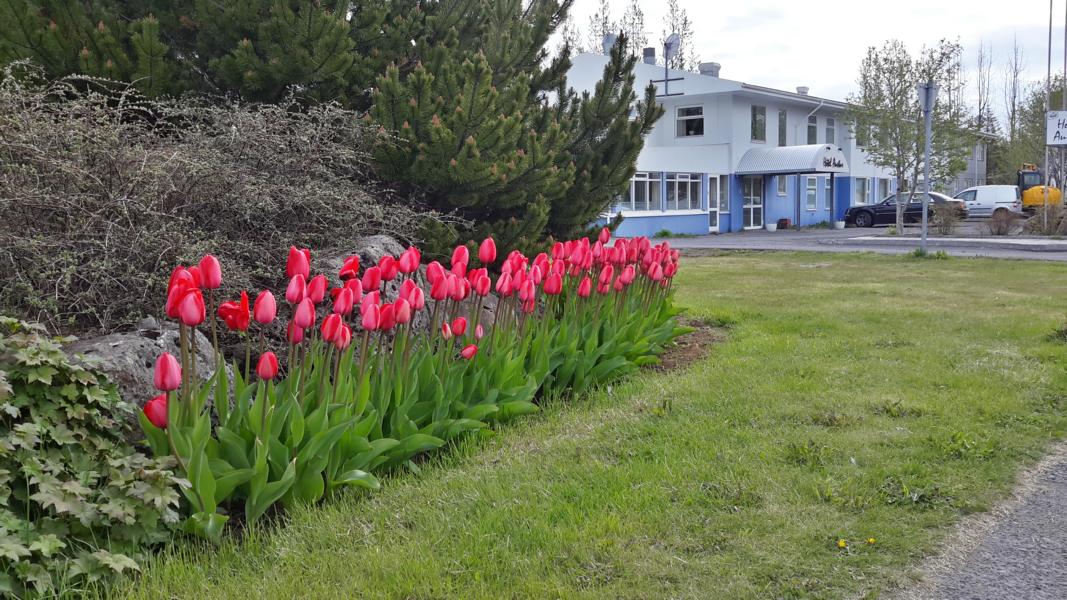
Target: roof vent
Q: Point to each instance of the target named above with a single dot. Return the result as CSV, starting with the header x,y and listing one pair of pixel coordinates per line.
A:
x,y
711,69
803,90
650,56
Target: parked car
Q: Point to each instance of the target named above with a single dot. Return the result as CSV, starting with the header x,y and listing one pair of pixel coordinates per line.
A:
x,y
989,200
885,212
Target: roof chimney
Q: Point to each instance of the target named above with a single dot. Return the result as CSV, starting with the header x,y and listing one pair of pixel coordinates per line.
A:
x,y
609,43
650,56
803,90
711,69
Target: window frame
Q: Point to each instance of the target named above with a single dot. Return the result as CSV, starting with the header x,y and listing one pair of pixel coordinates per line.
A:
x,y
813,130
678,120
811,193
758,110
783,128
865,200
783,184
722,197
692,185
646,179
830,129
827,194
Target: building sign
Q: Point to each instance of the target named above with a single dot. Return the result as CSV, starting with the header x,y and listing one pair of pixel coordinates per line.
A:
x,y
832,162
1056,128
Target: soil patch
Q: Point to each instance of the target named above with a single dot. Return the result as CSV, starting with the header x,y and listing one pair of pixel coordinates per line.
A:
x,y
691,347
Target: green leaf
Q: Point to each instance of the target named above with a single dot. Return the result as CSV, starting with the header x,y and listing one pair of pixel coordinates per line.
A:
x,y
516,408
264,496
358,478
12,549
206,525
116,562
47,545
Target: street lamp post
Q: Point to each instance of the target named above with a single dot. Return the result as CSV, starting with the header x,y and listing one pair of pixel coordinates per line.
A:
x,y
927,96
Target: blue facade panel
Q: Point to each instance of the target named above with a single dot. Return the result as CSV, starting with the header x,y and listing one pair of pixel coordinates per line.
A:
x,y
649,226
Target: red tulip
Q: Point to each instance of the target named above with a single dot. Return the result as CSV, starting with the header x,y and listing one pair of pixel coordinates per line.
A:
x,y
655,272
299,263
559,251
267,368
265,309
417,298
316,289
481,285
372,278
194,272
554,284
434,271
168,373
304,316
210,272
156,411
585,288
628,274
350,268
388,317
528,291
487,251
371,298
606,274
605,235
409,260
179,272
603,288
469,351
460,256
181,281
441,289
503,285
344,337
371,316
294,334
461,288
459,326
345,302
459,269
357,289
191,309
479,332
389,267
296,290
236,314
330,326
402,313
406,287
446,331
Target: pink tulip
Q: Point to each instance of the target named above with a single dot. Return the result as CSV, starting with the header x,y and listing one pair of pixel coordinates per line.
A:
x,y
265,309
481,285
372,278
294,334
296,290
434,271
460,256
387,318
371,317
487,251
304,316
389,268
409,260
316,289
331,325
356,286
299,263
605,235
606,274
417,298
441,289
344,303
554,284
156,411
267,368
350,268
628,274
168,373
479,332
503,285
402,312
446,331
191,309
459,326
210,272
343,338
469,351
585,288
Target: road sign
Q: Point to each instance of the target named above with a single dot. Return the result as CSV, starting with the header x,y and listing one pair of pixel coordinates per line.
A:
x,y
1056,128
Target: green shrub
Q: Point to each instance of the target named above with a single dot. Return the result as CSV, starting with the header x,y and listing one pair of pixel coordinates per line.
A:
x,y
77,505
945,218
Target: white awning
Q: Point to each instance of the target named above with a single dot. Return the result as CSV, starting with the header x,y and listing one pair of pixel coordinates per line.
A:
x,y
817,158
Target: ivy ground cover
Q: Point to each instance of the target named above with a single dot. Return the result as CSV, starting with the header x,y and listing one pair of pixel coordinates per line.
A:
x,y
859,406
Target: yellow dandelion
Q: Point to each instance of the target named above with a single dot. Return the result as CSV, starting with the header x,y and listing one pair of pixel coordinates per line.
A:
x,y
871,541
842,544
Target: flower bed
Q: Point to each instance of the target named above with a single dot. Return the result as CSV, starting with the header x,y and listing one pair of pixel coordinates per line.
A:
x,y
364,392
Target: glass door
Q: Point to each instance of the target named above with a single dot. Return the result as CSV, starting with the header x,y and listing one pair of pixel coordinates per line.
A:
x,y
714,200
752,206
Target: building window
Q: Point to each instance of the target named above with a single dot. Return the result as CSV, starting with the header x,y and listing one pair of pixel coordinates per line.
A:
x,y
831,131
812,196
690,121
683,191
782,182
783,128
863,135
862,191
717,197
883,189
759,123
828,195
813,129
979,152
643,194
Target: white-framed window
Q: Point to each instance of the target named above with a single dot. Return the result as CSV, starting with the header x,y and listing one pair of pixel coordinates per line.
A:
x,y
783,128
813,129
643,194
862,191
831,131
811,196
759,123
979,152
717,196
828,194
883,189
683,191
690,121
783,182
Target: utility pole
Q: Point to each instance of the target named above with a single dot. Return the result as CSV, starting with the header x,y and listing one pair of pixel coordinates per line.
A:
x,y
1048,107
927,96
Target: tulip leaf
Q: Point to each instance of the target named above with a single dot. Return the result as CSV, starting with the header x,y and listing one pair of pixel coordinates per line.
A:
x,y
266,495
481,412
357,478
206,525
516,408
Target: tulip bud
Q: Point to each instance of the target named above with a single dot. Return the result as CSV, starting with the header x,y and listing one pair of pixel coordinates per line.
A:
x,y
350,268
487,251
344,337
481,285
372,278
155,410
294,334
441,289
559,251
210,272
417,299
503,285
402,313
459,326
479,332
460,256
469,351
387,317
330,326
265,309
605,235
168,373
357,289
267,368
434,271
446,331
655,272
528,291
409,260
606,274
585,288
344,302
389,268
554,284
316,289
191,308
371,317
297,289
628,274
459,269
536,275
304,316
299,263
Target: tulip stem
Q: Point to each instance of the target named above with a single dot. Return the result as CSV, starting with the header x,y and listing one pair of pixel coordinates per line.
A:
x,y
214,332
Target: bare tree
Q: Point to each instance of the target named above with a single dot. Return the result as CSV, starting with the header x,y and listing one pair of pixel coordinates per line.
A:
x,y
570,37
678,22
633,26
1013,91
600,25
984,119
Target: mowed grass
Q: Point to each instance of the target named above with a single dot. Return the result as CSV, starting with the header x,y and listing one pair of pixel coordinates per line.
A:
x,y
855,397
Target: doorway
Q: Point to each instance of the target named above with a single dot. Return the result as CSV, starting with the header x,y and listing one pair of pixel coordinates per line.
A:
x,y
752,205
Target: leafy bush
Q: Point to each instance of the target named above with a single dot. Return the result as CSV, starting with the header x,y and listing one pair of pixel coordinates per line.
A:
x,y
1002,223
355,402
100,189
76,503
945,218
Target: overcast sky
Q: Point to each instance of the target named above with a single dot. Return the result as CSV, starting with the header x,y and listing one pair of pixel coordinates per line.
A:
x,y
783,44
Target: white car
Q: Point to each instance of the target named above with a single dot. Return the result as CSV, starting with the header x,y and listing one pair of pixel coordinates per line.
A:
x,y
989,200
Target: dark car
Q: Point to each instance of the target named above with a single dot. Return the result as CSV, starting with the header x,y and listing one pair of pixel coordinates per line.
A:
x,y
885,212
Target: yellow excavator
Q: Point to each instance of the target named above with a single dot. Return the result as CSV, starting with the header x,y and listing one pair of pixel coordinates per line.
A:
x,y
1032,186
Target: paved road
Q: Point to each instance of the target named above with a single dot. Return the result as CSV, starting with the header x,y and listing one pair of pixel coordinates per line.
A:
x,y
874,240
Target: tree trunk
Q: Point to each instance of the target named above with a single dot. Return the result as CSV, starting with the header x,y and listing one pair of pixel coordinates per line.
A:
x,y
900,204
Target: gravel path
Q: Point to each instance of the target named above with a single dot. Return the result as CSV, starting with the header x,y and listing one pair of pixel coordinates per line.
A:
x,y
1018,550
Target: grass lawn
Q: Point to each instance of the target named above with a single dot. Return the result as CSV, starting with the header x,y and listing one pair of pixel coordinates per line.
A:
x,y
855,397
